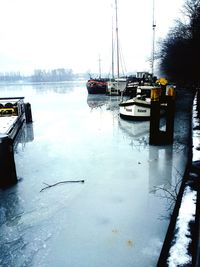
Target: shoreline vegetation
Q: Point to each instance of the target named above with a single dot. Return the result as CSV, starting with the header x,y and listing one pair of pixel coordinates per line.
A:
x,y
39,75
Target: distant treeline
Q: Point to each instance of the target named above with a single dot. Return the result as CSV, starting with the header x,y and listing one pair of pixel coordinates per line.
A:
x,y
10,77
55,75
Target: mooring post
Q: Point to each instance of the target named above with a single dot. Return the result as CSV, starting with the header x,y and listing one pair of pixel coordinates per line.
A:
x,y
158,137
154,136
28,113
8,176
170,115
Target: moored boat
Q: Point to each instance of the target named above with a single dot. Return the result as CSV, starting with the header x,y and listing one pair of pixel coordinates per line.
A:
x,y
116,86
137,107
97,86
12,115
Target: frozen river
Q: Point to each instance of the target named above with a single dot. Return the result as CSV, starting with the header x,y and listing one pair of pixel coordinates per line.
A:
x,y
117,217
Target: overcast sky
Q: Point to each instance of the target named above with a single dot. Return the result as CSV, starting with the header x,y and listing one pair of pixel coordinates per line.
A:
x,y
73,33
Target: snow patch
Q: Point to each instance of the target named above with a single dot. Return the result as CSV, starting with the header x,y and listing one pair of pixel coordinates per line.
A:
x,y
6,123
178,254
196,148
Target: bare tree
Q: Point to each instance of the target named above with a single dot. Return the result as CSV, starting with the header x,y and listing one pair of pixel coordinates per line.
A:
x,y
179,52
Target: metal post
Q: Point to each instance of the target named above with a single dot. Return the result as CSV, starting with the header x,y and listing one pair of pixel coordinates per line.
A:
x,y
153,44
28,113
154,136
8,174
170,115
158,137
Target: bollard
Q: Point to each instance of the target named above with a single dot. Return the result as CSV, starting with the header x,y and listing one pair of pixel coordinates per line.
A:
x,y
28,113
158,137
8,176
170,115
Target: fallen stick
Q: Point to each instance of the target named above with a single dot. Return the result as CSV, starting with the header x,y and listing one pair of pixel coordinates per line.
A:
x,y
62,182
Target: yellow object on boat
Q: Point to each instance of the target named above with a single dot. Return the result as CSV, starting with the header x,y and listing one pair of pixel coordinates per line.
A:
x,y
162,81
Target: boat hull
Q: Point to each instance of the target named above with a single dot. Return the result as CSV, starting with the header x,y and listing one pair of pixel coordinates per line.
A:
x,y
116,87
96,86
135,111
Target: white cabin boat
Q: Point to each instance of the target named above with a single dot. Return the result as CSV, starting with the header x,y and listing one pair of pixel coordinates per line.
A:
x,y
136,108
139,107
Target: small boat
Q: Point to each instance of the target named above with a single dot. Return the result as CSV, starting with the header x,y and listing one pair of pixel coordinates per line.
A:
x,y
138,107
97,86
12,115
116,86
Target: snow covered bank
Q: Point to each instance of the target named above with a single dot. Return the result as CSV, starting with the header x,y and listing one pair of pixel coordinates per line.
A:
x,y
180,246
178,254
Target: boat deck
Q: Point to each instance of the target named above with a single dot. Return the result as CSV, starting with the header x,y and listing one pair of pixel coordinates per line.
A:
x,y
12,115
7,123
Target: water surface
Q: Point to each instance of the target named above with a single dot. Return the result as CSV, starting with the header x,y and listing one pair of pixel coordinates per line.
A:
x,y
117,217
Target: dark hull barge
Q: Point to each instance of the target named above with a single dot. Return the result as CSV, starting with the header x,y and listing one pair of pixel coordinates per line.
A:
x,y
97,86
13,113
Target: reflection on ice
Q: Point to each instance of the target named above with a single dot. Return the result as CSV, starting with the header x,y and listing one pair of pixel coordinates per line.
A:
x,y
25,135
134,129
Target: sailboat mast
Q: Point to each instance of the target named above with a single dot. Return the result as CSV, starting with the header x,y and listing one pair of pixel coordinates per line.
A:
x,y
99,67
112,51
117,37
153,44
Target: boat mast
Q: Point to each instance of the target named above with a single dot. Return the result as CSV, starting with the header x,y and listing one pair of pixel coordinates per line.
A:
x,y
112,51
153,44
99,67
117,37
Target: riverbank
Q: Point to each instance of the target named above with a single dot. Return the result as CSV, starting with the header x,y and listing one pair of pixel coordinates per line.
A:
x,y
181,246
